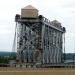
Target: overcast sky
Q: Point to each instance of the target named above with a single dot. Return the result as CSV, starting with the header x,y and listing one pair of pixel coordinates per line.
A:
x,y
61,10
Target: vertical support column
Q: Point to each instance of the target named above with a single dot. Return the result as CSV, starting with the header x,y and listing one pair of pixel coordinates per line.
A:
x,y
64,46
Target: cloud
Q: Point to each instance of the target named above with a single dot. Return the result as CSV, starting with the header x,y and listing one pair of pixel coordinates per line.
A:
x,y
69,4
62,10
69,42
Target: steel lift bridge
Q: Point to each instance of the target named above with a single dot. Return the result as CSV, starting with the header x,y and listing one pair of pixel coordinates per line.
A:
x,y
38,40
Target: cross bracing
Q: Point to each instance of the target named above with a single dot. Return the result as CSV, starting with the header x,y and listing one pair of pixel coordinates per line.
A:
x,y
39,40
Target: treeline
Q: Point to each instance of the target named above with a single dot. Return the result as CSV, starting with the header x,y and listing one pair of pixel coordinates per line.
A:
x,y
6,59
69,56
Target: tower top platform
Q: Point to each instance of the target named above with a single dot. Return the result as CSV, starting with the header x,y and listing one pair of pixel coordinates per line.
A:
x,y
30,7
29,12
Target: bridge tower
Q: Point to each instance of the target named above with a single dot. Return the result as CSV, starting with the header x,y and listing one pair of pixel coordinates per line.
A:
x,y
39,41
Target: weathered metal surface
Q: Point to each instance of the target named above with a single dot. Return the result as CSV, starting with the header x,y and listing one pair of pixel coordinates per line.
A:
x,y
39,41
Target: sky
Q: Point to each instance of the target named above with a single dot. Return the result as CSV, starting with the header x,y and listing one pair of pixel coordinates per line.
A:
x,y
61,10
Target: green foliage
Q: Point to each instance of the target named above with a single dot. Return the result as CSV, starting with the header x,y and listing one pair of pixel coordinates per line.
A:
x,y
5,59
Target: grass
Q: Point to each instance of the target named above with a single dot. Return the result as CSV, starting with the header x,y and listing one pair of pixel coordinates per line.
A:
x,y
35,69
